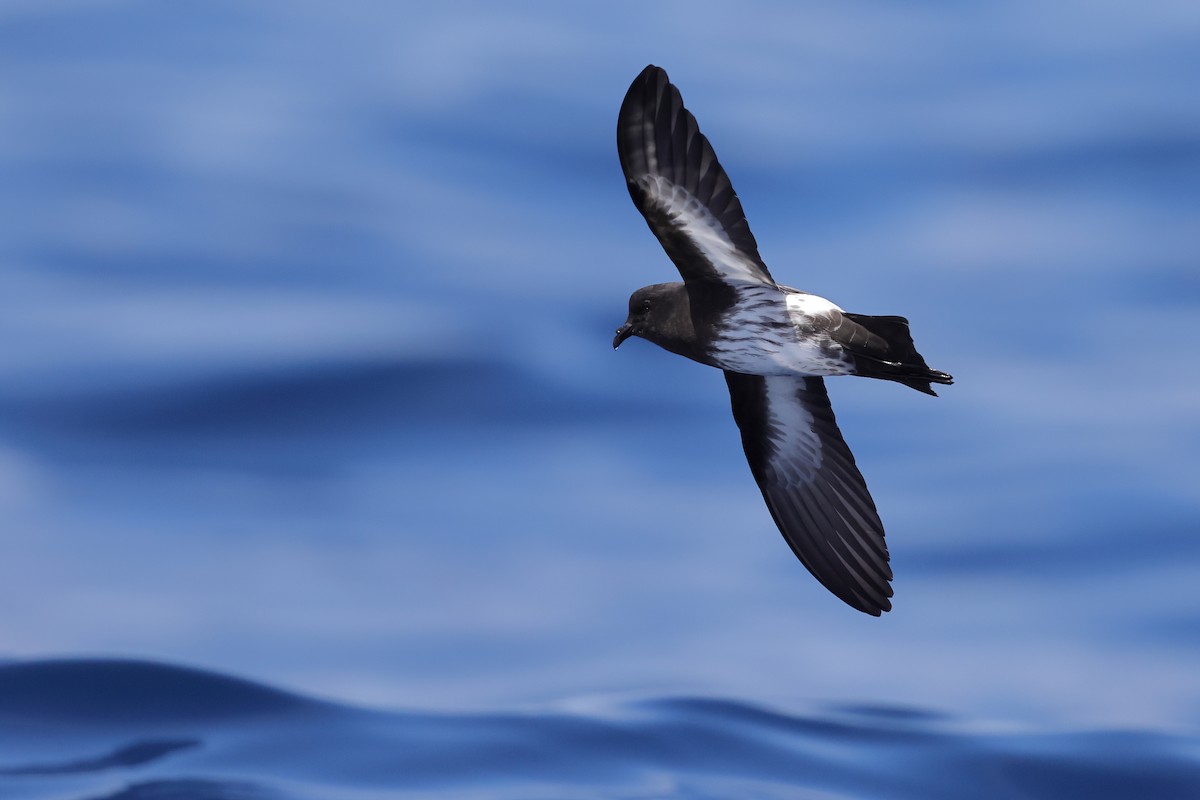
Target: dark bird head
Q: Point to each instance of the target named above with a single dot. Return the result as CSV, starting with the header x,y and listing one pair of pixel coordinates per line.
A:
x,y
660,314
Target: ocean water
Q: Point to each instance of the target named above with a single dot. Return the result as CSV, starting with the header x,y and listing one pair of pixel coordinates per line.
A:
x,y
319,478
137,731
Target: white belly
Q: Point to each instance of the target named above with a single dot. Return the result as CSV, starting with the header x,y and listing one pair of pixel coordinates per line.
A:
x,y
764,336
792,358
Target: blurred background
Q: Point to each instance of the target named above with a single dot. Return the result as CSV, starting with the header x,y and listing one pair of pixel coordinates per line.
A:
x,y
306,374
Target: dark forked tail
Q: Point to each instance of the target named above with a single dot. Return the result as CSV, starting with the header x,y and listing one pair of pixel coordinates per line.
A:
x,y
888,353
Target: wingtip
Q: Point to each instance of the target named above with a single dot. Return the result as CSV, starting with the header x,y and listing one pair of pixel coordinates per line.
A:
x,y
652,78
872,608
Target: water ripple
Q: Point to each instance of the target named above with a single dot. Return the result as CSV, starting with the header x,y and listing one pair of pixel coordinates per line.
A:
x,y
192,730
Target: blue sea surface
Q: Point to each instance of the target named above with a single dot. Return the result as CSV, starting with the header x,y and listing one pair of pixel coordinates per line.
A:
x,y
306,378
139,731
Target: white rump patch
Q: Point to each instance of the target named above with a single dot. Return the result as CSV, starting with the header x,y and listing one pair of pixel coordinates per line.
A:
x,y
809,304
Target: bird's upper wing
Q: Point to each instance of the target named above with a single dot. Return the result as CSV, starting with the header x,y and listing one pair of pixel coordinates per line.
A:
x,y
680,188
813,489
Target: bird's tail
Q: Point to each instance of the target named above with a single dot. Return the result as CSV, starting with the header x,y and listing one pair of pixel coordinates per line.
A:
x,y
902,363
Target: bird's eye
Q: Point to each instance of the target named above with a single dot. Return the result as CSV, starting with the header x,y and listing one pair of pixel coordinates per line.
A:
x,y
646,306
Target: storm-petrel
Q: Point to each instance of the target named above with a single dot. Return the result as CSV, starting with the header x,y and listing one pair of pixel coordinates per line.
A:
x,y
773,342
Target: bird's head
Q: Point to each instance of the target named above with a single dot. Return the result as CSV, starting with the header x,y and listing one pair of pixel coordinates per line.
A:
x,y
655,312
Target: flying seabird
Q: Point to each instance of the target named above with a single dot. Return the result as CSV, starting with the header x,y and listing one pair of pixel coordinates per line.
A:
x,y
774,343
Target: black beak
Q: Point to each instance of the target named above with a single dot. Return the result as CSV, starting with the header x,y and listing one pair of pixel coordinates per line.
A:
x,y
623,333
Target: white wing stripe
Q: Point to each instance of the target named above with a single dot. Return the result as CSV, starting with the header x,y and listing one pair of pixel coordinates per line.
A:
x,y
702,228
796,446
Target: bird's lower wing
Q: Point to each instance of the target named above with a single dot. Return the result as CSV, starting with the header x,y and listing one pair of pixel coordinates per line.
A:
x,y
812,486
679,186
